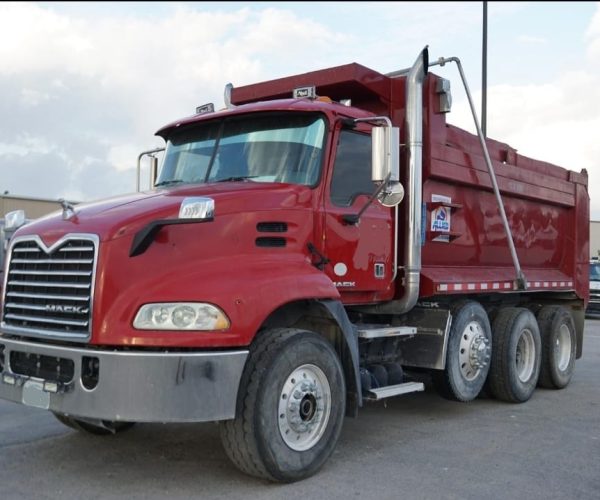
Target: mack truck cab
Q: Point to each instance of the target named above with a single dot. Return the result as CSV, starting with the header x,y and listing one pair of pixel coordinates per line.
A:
x,y
302,251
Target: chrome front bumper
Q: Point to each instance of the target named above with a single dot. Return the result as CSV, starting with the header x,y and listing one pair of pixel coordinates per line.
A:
x,y
135,386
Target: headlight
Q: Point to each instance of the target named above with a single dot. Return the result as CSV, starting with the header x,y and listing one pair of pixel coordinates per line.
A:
x,y
180,316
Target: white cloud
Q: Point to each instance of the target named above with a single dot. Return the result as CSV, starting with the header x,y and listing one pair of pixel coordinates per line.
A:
x,y
593,35
552,122
557,122
533,40
83,87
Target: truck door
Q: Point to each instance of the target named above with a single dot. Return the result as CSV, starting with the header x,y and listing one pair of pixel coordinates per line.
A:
x,y
360,255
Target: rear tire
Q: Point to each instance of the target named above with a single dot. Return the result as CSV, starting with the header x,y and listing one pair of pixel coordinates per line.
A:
x,y
516,356
467,354
559,343
290,408
110,427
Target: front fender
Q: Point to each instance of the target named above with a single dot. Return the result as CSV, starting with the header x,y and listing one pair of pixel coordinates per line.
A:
x,y
248,289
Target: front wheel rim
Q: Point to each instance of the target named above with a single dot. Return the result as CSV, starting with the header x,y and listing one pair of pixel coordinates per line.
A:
x,y
562,348
304,407
525,355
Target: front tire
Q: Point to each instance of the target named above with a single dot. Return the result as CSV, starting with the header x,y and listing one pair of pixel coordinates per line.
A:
x,y
467,354
559,342
516,356
290,409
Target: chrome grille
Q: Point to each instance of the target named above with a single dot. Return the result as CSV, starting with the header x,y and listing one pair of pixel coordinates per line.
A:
x,y
48,291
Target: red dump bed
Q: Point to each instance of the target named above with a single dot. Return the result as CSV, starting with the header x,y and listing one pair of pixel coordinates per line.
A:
x,y
464,244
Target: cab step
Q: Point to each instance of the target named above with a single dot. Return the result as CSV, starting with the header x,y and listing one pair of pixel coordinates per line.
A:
x,y
377,331
393,390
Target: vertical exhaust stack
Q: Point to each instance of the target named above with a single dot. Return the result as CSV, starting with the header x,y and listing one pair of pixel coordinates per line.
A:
x,y
414,141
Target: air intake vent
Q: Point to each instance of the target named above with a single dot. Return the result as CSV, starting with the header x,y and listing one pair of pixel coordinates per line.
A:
x,y
272,227
270,241
49,290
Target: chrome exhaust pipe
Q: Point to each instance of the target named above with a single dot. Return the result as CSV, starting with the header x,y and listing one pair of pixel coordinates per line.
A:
x,y
414,194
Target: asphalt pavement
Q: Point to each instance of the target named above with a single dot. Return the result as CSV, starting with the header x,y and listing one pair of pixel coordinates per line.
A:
x,y
417,446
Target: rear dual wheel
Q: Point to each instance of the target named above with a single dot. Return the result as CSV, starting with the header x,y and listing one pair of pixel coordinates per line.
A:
x,y
559,344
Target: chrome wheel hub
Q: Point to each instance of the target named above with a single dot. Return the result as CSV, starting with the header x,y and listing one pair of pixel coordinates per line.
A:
x,y
474,351
525,355
562,348
304,407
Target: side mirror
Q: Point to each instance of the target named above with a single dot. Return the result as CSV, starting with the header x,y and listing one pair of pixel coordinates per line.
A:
x,y
153,167
385,154
153,170
14,220
385,164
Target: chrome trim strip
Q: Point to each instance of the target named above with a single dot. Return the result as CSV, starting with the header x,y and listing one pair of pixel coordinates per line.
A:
x,y
35,307
54,261
84,298
77,249
50,273
46,320
49,284
27,250
73,336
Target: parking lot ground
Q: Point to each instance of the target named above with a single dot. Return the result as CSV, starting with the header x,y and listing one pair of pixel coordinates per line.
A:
x,y
418,446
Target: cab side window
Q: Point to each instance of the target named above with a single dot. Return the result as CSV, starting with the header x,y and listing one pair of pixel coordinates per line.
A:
x,y
352,168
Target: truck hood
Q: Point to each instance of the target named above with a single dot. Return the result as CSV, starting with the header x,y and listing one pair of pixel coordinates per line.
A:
x,y
123,215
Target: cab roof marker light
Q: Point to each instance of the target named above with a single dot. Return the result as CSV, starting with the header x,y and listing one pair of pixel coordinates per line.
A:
x,y
305,92
205,108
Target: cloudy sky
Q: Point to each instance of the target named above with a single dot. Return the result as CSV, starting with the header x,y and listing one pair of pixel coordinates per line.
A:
x,y
84,86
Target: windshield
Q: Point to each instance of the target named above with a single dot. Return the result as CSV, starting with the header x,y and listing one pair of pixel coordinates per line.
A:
x,y
282,147
595,271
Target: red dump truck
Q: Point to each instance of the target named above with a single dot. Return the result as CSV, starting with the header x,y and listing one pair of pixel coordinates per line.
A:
x,y
325,240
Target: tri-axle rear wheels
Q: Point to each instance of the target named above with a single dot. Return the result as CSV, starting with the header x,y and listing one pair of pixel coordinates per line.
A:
x,y
517,353
291,404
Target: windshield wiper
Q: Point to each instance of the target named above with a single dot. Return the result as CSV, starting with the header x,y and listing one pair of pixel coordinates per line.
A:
x,y
236,178
169,182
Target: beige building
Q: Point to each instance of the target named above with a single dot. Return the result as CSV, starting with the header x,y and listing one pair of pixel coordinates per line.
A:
x,y
34,207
